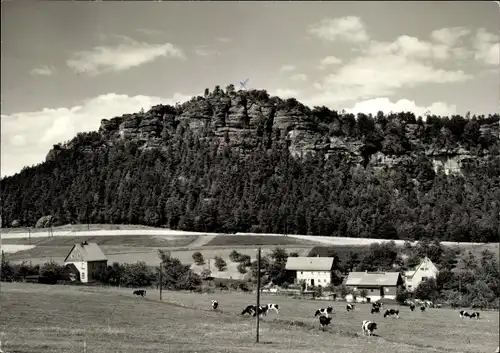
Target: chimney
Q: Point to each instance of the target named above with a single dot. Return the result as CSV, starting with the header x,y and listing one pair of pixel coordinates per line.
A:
x,y
317,255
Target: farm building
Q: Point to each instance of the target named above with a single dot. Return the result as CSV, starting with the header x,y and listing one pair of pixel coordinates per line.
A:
x,y
315,271
426,269
88,259
376,284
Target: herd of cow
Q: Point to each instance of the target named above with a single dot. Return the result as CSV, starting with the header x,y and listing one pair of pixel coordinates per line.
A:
x,y
367,326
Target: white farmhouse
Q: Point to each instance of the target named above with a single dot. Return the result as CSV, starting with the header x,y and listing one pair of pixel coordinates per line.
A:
x,y
315,271
426,269
88,259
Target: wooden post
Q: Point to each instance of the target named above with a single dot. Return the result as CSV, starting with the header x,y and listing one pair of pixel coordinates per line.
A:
x,y
161,279
29,234
84,346
258,295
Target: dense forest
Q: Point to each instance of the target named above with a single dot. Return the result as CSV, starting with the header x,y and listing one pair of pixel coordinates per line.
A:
x,y
210,179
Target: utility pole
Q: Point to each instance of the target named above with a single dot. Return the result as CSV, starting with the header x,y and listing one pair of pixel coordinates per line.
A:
x,y
161,279
29,234
258,295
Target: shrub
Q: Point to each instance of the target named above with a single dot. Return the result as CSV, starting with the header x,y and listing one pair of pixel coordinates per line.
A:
x,y
50,272
206,273
246,260
234,256
318,291
220,263
242,268
198,258
402,296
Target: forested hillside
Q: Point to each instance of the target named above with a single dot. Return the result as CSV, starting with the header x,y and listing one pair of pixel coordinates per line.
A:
x,y
243,161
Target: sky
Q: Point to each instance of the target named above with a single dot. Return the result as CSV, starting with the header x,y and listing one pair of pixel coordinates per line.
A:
x,y
67,65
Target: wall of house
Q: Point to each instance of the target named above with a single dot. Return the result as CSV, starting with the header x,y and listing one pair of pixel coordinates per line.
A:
x,y
374,293
95,268
321,278
424,271
81,266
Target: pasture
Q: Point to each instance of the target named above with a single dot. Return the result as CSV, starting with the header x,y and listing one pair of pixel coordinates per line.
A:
x,y
257,240
113,320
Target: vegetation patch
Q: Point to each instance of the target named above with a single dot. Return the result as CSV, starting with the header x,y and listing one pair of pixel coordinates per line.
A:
x,y
250,240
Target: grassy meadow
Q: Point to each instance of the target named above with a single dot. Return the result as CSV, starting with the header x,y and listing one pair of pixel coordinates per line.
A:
x,y
113,320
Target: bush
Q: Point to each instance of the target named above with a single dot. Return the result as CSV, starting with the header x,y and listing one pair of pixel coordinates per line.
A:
x,y
402,296
206,273
220,263
198,258
242,268
136,275
50,272
318,292
246,260
234,256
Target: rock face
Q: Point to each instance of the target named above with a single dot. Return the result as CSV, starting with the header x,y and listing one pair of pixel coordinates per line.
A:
x,y
245,119
44,221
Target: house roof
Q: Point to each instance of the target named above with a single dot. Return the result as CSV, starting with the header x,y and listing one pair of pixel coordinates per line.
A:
x,y
303,263
90,251
425,260
372,279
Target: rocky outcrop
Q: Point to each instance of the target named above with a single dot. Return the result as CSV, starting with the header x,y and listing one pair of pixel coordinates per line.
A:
x,y
244,119
45,221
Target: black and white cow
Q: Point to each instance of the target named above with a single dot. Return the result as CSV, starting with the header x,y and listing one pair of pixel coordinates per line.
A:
x,y
349,307
463,313
474,315
368,327
422,309
324,321
273,306
377,305
252,310
324,312
412,306
391,313
141,292
375,310
215,304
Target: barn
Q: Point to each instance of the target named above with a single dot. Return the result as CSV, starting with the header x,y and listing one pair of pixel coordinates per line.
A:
x,y
315,271
377,285
88,259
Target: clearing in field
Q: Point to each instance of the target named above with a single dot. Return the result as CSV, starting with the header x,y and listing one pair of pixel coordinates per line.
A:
x,y
256,240
113,320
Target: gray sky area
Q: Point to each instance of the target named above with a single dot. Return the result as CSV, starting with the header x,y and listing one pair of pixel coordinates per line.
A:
x,y
67,65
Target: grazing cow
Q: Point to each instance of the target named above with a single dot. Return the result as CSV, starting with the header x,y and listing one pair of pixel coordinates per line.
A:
x,y
439,306
412,306
349,307
368,327
422,309
377,305
250,309
324,321
140,292
375,310
391,313
273,306
324,312
474,315
215,304
463,313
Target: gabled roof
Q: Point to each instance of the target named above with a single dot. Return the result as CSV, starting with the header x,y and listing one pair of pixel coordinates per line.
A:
x,y
303,263
425,261
373,279
90,252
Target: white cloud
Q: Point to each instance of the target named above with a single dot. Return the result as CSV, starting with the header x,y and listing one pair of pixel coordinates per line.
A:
x,y
224,39
287,68
382,68
121,57
329,60
487,47
299,77
43,70
203,50
27,137
403,105
449,36
286,93
349,29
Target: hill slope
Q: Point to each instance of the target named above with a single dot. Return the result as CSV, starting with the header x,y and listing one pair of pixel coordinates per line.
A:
x,y
244,161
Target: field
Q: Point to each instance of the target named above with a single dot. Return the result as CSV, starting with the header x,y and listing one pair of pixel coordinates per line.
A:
x,y
256,240
112,320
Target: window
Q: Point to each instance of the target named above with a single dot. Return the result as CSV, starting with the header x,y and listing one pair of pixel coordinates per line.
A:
x,y
424,268
424,278
371,290
301,272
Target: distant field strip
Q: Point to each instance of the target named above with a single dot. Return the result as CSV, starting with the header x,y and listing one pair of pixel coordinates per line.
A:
x,y
250,240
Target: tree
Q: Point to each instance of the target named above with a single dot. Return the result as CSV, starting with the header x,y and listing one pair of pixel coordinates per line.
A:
x,y
138,274
234,256
50,272
402,295
220,263
241,268
177,275
198,258
6,270
363,293
206,273
427,290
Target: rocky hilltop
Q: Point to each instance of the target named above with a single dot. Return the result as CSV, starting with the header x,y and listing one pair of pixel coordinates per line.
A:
x,y
245,119
239,161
